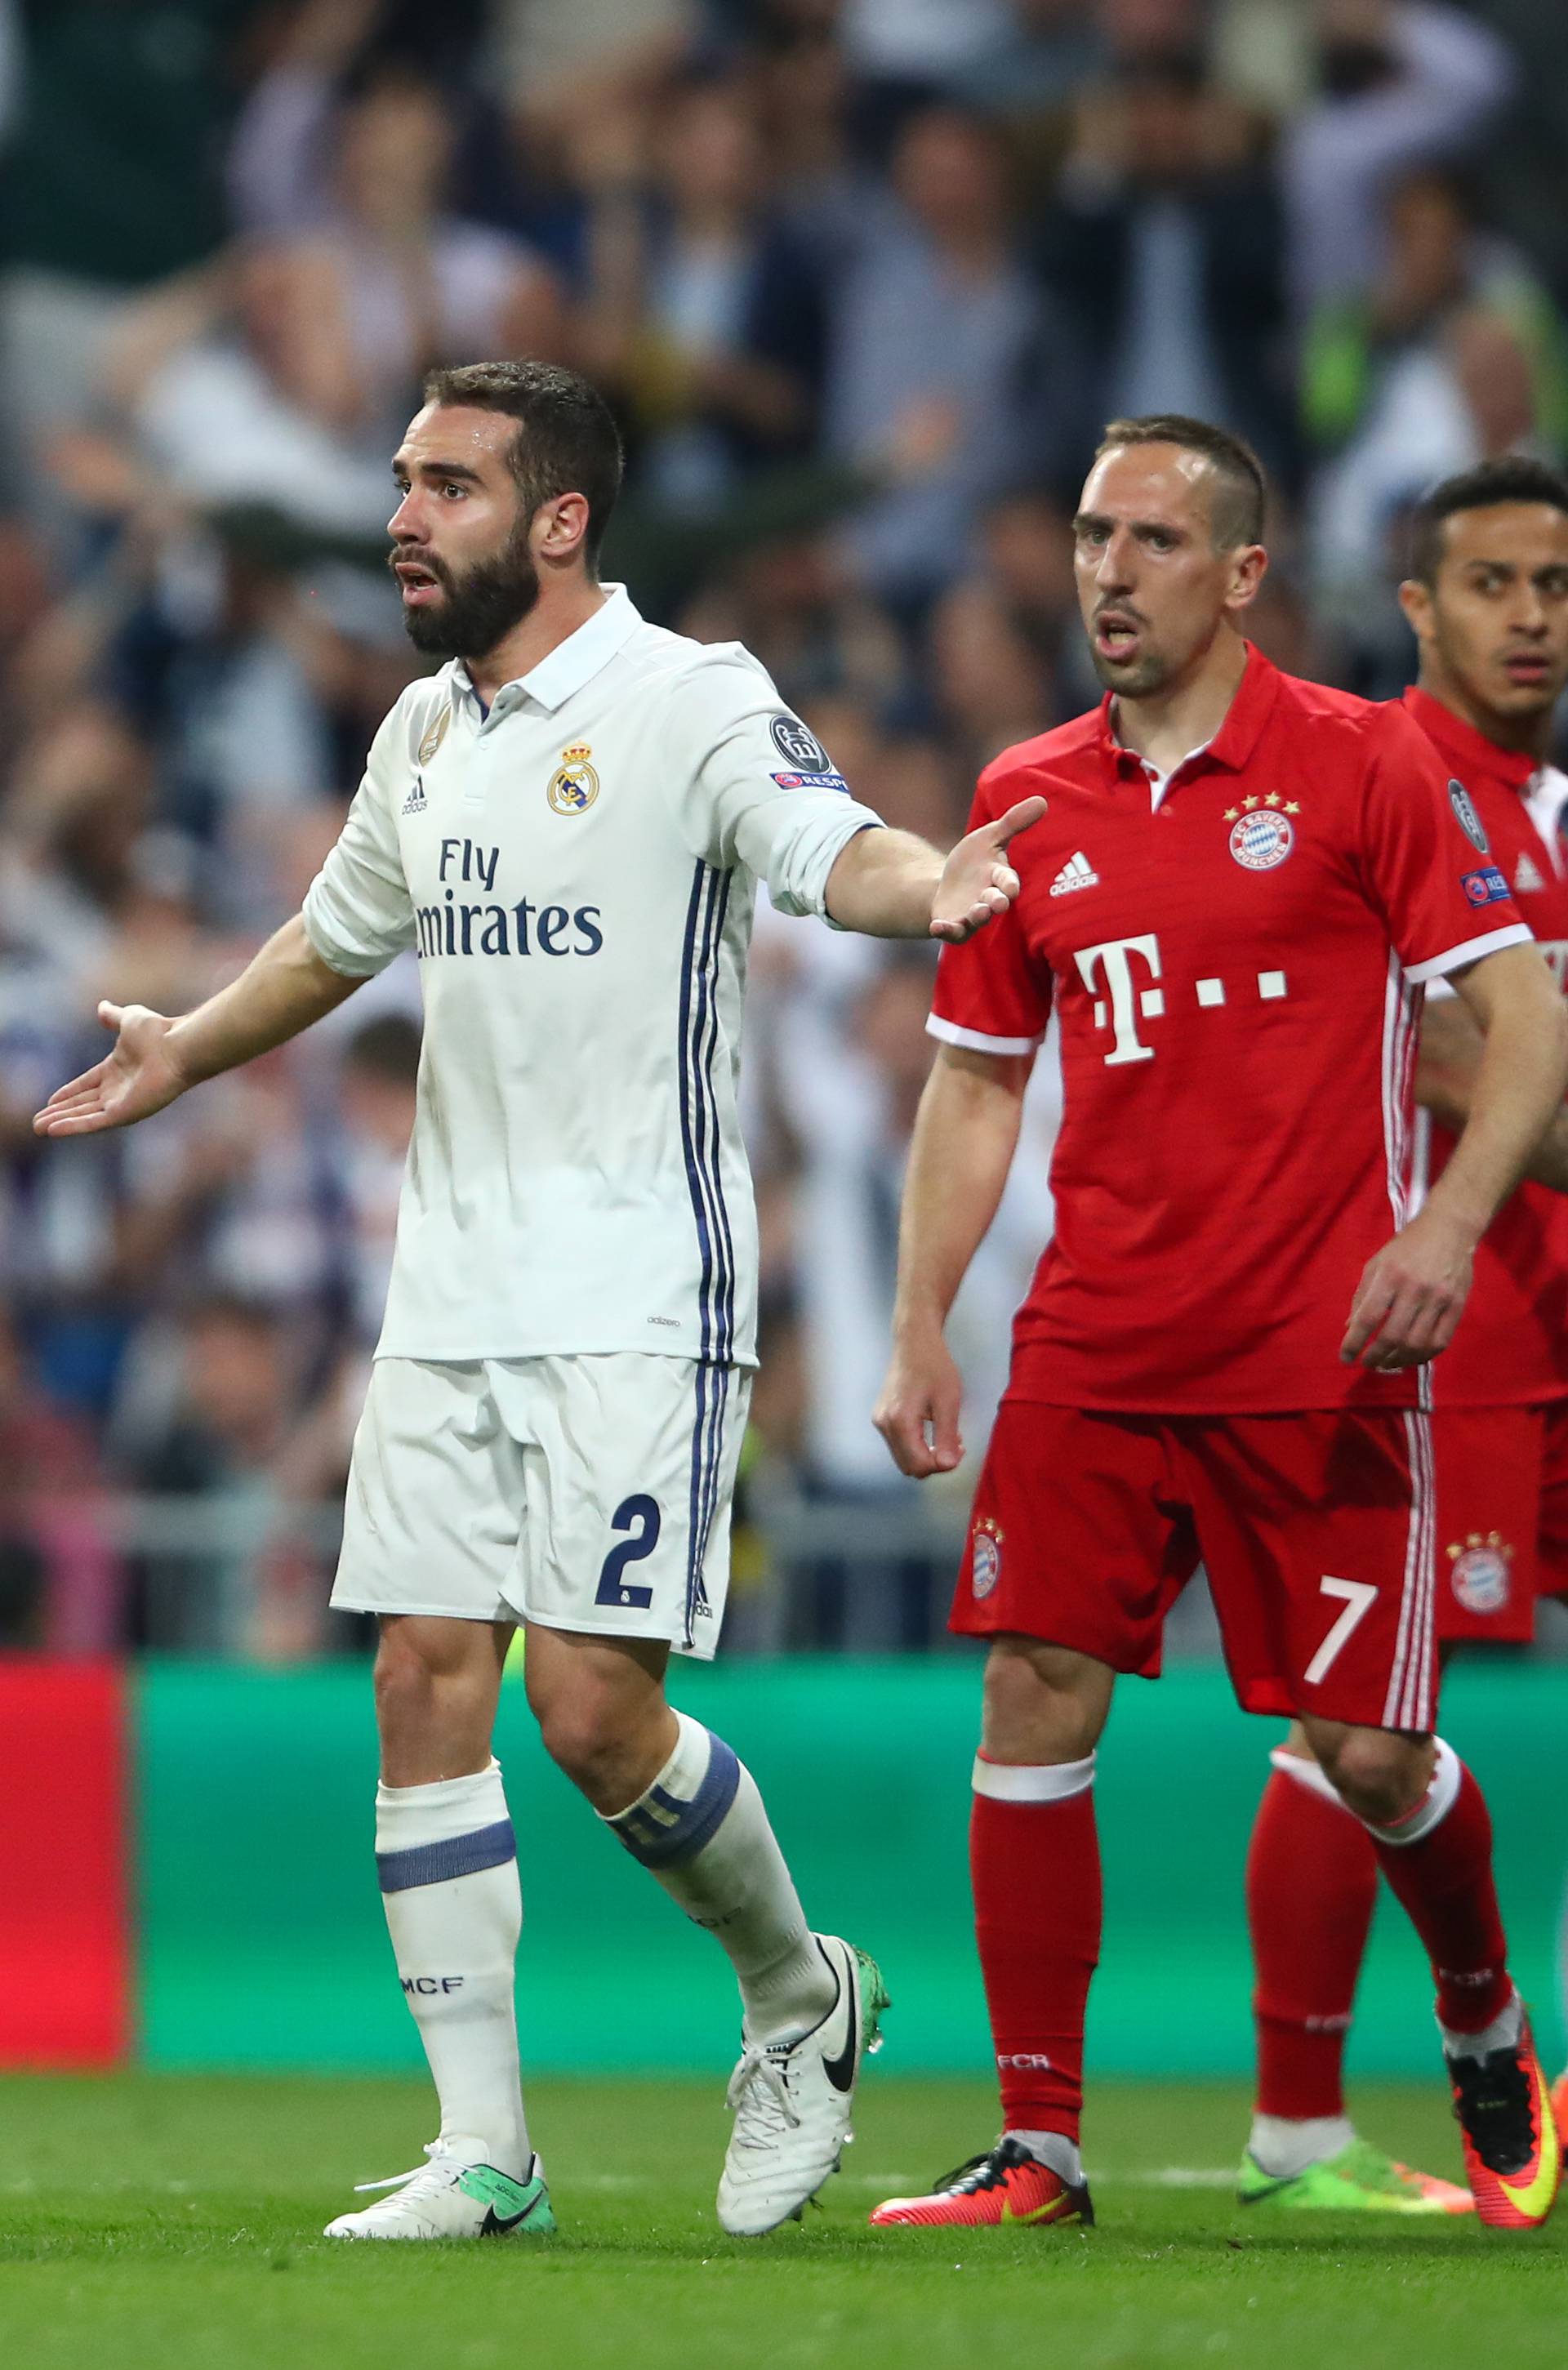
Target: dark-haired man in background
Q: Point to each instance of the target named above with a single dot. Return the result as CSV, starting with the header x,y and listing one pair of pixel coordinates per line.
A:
x,y
567,823
1488,602
1239,887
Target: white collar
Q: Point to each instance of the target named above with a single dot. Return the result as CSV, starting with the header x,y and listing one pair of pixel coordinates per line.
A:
x,y
1159,783
574,662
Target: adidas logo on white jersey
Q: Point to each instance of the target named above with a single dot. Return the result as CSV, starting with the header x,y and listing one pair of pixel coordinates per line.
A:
x,y
1077,872
1528,876
416,802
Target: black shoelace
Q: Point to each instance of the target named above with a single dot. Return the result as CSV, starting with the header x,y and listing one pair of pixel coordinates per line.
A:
x,y
988,2170
1494,2104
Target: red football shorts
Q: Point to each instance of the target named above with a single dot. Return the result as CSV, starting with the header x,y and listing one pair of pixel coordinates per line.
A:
x,y
1502,1518
1318,1531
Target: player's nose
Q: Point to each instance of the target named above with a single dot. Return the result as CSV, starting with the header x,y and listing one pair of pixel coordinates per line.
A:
x,y
1113,573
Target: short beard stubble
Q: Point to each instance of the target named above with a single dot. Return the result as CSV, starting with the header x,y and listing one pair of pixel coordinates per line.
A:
x,y
1149,673
482,606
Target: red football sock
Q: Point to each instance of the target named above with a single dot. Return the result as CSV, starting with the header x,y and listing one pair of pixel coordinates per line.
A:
x,y
1034,1860
1311,1887
1442,1878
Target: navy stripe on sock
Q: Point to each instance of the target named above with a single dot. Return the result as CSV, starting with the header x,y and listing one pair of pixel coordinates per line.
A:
x,y
660,1832
438,1863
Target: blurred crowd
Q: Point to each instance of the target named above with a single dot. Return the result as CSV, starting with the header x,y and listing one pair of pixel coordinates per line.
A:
x,y
862,279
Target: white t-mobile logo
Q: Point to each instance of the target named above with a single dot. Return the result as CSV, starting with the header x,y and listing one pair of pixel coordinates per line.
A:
x,y
1126,1003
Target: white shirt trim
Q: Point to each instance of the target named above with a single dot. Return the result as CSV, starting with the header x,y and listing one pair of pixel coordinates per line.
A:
x,y
573,664
1159,783
1545,798
977,1043
1513,935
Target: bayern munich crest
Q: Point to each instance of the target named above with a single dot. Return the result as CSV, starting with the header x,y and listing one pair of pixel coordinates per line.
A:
x,y
985,1557
1481,1577
1262,839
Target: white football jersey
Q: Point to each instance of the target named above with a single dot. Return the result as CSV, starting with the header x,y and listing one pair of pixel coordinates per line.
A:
x,y
575,870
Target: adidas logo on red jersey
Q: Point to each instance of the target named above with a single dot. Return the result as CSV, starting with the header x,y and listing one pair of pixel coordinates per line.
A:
x,y
1077,872
1528,876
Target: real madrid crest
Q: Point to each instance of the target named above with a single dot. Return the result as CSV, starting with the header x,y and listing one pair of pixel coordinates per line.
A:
x,y
574,784
434,735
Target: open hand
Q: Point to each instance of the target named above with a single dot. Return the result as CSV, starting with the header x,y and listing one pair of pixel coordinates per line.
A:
x,y
138,1076
977,881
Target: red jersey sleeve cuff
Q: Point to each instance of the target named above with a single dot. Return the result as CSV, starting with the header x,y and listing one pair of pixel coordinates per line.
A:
x,y
976,1040
1514,934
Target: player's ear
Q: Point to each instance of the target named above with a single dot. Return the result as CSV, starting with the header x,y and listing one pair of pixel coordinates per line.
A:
x,y
1249,566
560,529
1415,600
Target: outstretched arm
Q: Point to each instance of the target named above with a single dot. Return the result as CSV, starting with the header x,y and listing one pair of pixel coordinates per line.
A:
x,y
1413,1292
964,1138
281,990
890,885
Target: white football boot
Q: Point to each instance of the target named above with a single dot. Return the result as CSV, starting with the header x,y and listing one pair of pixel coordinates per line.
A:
x,y
792,2102
455,2195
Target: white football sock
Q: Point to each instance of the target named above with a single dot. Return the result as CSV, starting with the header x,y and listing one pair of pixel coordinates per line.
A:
x,y
1283,2145
701,1830
1502,2032
1054,2150
447,1860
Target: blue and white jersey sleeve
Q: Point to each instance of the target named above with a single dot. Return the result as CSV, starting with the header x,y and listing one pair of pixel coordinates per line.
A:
x,y
358,912
752,787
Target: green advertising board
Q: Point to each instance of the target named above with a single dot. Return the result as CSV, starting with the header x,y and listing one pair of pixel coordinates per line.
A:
x,y
261,1941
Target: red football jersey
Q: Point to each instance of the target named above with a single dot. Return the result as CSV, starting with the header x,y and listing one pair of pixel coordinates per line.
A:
x,y
1512,1345
1237,958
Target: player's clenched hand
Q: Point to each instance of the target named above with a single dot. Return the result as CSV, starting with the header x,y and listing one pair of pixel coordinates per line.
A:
x,y
137,1077
1411,1296
917,1413
977,881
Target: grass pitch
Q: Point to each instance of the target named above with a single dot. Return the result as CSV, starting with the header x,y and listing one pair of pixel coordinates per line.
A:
x,y
173,2221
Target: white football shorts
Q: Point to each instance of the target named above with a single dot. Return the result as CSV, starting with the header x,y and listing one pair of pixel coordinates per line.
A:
x,y
588,1493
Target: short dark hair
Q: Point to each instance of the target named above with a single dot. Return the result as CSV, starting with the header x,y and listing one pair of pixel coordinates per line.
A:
x,y
1241,490
1513,478
567,441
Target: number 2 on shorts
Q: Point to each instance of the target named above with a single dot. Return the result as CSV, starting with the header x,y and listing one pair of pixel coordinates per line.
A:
x,y
1357,1594
640,1516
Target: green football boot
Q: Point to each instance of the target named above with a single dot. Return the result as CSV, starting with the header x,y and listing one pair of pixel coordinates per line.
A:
x,y
1360,2179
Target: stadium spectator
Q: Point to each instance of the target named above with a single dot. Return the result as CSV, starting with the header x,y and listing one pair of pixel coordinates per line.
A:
x,y
111,183
1456,354
921,44
948,372
807,99
218,1430
1167,250
61,1583
1036,60
705,311
392,280
1403,83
